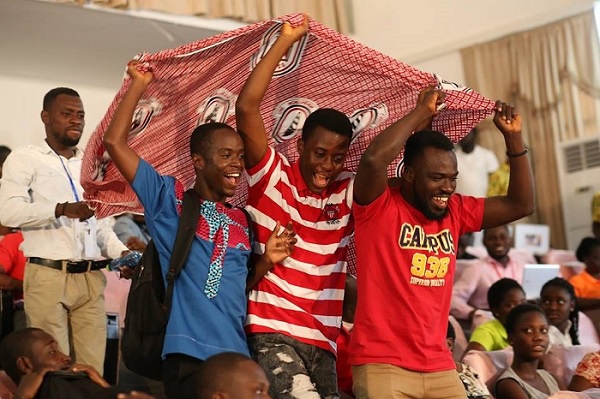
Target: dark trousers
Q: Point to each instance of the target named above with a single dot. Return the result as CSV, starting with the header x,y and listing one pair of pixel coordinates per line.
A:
x,y
180,375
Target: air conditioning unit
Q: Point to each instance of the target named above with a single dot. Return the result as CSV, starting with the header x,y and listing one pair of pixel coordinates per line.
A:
x,y
579,173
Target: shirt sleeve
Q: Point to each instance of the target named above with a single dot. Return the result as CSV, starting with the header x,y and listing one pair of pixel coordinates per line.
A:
x,y
485,335
107,239
16,207
589,368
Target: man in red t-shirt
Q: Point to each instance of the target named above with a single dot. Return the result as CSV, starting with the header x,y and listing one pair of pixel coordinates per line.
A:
x,y
406,251
12,267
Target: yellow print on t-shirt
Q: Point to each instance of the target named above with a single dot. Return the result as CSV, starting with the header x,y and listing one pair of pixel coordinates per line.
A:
x,y
414,237
427,270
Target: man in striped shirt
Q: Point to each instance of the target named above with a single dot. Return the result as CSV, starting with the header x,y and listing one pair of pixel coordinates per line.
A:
x,y
294,312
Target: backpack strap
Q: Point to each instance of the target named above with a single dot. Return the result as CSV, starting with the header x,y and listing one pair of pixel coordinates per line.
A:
x,y
250,228
188,220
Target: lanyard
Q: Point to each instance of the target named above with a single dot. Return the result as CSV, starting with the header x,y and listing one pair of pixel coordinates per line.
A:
x,y
69,176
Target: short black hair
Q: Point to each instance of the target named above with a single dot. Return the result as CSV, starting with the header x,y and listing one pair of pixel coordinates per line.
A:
x,y
485,231
416,144
4,151
515,315
202,137
52,94
330,119
14,345
586,246
215,373
573,314
499,289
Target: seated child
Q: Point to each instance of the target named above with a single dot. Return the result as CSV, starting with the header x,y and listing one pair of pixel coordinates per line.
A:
x,y
587,283
557,299
503,296
527,329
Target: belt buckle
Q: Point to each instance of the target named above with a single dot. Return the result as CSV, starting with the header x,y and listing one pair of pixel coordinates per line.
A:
x,y
81,266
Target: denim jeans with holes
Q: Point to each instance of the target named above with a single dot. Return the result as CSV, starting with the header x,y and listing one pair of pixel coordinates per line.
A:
x,y
295,370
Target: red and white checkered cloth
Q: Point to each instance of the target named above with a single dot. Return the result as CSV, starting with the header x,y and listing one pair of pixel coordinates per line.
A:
x,y
200,81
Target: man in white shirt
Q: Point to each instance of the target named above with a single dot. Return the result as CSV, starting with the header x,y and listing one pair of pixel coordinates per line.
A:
x,y
469,292
475,164
64,243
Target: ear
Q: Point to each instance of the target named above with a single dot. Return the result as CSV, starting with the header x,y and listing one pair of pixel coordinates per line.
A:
x,y
24,364
408,174
198,161
45,117
300,145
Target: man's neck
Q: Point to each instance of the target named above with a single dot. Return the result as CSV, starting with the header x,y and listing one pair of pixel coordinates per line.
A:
x,y
66,152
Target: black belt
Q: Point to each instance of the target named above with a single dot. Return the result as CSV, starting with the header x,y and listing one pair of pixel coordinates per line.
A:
x,y
70,266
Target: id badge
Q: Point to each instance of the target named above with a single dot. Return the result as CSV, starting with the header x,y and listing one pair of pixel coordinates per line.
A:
x,y
90,247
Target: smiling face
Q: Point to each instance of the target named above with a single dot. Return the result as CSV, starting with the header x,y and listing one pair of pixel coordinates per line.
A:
x,y
64,121
220,168
529,338
497,241
432,179
322,157
557,304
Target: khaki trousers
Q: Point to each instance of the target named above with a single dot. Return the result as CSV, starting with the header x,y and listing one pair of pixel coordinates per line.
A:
x,y
384,381
69,307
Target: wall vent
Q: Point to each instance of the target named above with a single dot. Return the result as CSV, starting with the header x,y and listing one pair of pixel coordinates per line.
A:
x,y
581,156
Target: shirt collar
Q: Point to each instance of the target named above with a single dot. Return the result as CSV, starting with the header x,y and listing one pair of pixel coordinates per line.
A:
x,y
46,149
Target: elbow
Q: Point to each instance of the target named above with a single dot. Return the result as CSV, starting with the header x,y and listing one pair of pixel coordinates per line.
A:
x,y
245,107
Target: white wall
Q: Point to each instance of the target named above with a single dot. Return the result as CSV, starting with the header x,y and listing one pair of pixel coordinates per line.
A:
x,y
21,104
426,34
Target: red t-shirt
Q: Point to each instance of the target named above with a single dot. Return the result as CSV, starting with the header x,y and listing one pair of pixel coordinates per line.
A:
x,y
405,269
12,259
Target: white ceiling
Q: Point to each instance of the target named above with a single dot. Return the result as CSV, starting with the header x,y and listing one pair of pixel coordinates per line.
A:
x,y
41,40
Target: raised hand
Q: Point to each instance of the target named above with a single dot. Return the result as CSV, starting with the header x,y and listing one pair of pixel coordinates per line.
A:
x,y
432,99
280,246
135,69
507,119
294,32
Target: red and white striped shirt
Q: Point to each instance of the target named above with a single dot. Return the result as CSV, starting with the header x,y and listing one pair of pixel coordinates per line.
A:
x,y
301,297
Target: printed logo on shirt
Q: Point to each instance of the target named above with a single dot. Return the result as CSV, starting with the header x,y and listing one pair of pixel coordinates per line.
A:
x,y
217,107
143,114
332,213
430,269
365,118
289,62
290,116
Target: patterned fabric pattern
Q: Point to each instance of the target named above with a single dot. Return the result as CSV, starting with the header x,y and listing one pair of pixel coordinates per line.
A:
x,y
199,82
589,368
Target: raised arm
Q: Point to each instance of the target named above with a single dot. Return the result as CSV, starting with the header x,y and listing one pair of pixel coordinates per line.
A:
x,y
115,138
247,108
519,200
371,176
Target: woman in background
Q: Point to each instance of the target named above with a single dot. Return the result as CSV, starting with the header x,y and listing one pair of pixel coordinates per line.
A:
x,y
558,300
527,329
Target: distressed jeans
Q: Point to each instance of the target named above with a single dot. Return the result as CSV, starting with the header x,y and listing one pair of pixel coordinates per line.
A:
x,y
295,370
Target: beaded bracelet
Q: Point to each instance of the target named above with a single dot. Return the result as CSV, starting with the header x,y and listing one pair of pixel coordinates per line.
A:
x,y
518,154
